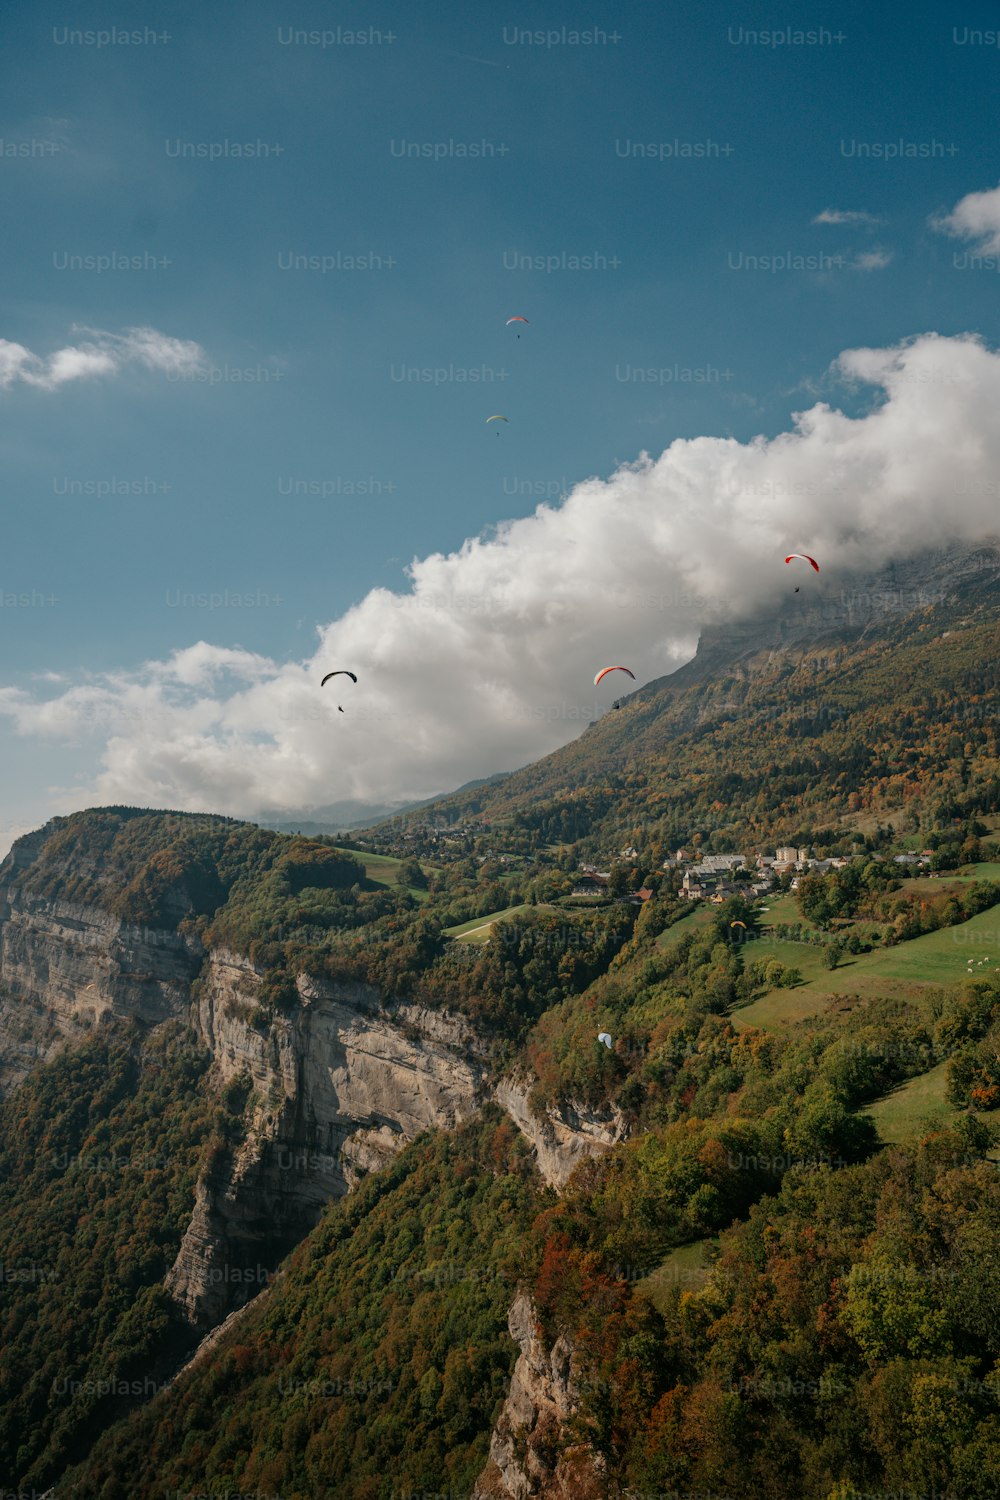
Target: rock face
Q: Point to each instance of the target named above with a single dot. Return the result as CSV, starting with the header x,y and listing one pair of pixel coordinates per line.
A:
x,y
64,968
338,1088
851,603
561,1137
527,1452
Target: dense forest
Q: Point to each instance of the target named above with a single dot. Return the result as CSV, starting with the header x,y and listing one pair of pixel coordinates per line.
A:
x,y
99,1155
378,1358
851,1296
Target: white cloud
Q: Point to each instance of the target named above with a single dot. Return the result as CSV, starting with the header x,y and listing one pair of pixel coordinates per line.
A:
x,y
870,260
100,353
72,364
852,216
974,217
488,662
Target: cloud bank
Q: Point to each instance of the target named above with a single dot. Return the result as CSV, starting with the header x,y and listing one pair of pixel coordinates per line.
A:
x,y
489,661
100,353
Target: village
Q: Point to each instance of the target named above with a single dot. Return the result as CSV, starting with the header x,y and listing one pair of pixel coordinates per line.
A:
x,y
703,877
715,877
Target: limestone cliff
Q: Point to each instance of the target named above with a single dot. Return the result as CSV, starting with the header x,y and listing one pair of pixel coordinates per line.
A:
x,y
561,1137
335,1087
844,604
529,1452
64,968
338,1088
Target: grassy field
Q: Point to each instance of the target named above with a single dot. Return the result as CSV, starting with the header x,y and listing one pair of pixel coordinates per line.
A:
x,y
784,908
478,930
901,1115
383,869
686,1267
806,957
938,958
949,880
689,923
369,859
984,871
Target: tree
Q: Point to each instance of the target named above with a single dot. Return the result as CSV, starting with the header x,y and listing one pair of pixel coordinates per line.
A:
x,y
893,1309
410,874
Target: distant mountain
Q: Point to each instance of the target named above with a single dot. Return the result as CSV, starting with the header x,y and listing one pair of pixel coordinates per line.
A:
x,y
758,669
334,818
838,709
341,817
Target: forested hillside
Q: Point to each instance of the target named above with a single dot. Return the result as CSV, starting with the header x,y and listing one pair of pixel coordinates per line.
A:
x,y
378,1360
848,1303
99,1155
803,745
774,1269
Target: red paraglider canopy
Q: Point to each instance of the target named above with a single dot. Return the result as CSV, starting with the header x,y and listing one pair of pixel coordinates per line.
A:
x,y
606,670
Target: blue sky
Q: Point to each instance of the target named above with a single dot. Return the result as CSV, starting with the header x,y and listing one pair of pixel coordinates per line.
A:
x,y
328,403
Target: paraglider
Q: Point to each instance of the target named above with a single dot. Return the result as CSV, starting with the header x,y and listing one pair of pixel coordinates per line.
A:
x,y
602,1036
341,672
738,923
803,557
606,670
497,419
517,319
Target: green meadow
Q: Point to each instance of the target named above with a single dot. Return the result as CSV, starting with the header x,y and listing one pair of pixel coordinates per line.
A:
x,y
687,1267
902,1115
699,917
937,958
383,869
478,930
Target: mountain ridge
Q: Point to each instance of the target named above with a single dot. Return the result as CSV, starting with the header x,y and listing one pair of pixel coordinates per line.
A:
x,y
768,666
